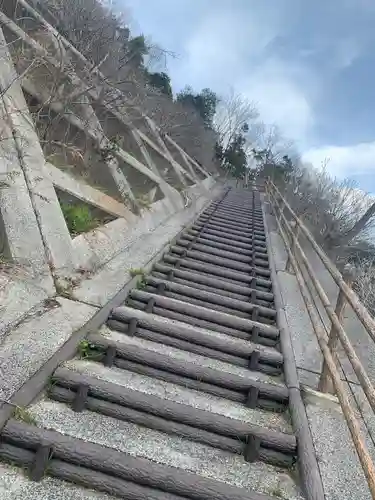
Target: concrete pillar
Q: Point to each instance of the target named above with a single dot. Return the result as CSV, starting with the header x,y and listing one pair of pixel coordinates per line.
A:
x,y
162,144
168,191
31,196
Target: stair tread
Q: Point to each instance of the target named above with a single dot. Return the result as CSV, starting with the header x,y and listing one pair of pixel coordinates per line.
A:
x,y
179,394
16,486
166,408
164,449
230,340
188,357
202,311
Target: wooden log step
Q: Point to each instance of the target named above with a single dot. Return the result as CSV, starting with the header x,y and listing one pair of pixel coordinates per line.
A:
x,y
175,412
215,283
253,259
212,297
260,252
259,246
224,319
254,336
217,270
108,461
136,354
222,262
218,232
196,335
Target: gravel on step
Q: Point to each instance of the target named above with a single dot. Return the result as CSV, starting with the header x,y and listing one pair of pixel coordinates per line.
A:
x,y
183,395
164,449
188,357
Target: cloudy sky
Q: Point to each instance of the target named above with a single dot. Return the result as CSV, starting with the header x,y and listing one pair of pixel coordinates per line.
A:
x,y
309,66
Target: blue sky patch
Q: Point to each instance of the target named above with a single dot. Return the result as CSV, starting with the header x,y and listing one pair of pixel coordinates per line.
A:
x,y
309,67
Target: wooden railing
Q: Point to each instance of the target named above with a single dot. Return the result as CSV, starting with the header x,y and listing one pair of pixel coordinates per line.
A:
x,y
300,264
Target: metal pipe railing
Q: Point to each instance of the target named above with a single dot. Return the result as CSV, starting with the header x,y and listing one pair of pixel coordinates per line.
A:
x,y
328,344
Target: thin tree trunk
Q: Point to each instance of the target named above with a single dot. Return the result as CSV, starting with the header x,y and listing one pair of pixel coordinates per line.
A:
x,y
358,226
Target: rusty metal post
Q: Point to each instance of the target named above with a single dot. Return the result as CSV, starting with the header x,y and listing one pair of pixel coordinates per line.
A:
x,y
325,382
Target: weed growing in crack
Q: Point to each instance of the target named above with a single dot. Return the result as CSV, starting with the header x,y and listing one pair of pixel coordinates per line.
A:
x,y
277,492
23,415
141,282
78,218
135,271
144,202
86,350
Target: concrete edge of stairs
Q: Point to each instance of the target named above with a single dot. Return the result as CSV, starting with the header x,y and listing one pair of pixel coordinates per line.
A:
x,y
308,464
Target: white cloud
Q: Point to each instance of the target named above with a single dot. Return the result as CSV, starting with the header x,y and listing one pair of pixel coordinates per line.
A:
x,y
229,49
220,49
345,161
346,51
249,49
280,100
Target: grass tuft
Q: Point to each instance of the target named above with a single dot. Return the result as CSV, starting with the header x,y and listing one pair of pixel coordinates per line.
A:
x,y
23,415
86,350
277,492
134,271
141,283
78,218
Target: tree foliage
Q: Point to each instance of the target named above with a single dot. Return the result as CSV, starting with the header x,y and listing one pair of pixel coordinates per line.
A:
x,y
204,103
160,81
235,115
279,170
233,157
205,125
136,49
136,67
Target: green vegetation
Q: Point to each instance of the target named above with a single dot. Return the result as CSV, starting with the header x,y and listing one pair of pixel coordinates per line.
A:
x,y
269,165
63,290
78,218
141,283
277,492
144,202
204,103
233,157
3,259
23,415
109,151
135,271
88,351
160,81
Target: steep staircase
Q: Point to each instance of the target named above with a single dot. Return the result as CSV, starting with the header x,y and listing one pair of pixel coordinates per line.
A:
x,y
181,394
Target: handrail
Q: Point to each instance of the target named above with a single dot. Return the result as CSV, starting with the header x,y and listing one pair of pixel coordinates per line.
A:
x,y
293,248
345,341
363,315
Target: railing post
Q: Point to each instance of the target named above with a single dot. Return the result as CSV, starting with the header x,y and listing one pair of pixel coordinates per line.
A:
x,y
268,193
325,382
296,232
